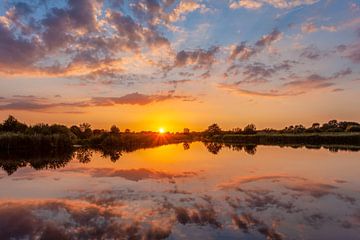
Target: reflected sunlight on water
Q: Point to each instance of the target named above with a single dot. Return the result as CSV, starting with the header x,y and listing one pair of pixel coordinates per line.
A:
x,y
187,191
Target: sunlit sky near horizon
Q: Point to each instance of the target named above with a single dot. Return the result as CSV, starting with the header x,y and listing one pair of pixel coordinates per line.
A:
x,y
150,64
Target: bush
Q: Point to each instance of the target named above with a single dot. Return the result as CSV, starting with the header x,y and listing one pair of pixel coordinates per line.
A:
x,y
38,142
213,129
353,128
250,129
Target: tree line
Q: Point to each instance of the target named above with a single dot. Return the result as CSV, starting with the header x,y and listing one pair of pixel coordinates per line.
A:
x,y
333,126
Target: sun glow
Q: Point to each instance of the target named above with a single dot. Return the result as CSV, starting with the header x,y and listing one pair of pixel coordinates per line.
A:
x,y
161,130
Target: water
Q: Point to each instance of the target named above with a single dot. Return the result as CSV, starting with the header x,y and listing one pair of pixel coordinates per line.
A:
x,y
186,192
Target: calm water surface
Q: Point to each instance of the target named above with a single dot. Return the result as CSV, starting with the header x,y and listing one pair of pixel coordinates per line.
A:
x,y
187,192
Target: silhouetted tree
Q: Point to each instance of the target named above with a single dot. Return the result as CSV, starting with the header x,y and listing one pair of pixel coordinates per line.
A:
x,y
76,131
333,123
250,129
237,130
85,129
98,131
299,129
250,149
213,130
11,124
353,128
127,130
214,147
315,125
186,131
84,155
114,129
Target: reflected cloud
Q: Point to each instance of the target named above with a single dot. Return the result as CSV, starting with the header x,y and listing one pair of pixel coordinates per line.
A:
x,y
130,174
71,219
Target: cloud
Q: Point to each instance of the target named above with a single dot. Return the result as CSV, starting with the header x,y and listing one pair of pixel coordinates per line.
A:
x,y
310,27
311,52
244,52
342,73
269,38
183,8
353,53
250,179
241,52
17,52
270,93
299,86
282,4
201,216
176,82
76,37
249,4
316,190
41,104
313,81
198,59
258,72
135,99
131,174
65,219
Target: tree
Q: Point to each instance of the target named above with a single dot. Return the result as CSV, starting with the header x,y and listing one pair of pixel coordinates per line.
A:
x,y
76,131
213,129
11,124
186,146
213,147
333,123
353,128
127,130
250,149
299,129
114,129
237,130
85,129
315,125
186,131
250,129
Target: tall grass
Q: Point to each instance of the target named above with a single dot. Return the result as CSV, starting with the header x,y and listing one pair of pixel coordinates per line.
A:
x,y
283,139
36,142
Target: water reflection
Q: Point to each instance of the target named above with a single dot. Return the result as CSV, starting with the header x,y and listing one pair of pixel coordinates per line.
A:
x,y
208,191
11,162
215,147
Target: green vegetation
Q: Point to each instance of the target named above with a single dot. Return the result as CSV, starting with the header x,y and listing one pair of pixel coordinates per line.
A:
x,y
53,146
290,138
15,136
45,138
333,132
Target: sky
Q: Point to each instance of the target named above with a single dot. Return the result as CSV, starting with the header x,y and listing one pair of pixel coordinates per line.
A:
x,y
148,64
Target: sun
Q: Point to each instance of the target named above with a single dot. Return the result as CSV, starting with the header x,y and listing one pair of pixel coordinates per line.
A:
x,y
161,130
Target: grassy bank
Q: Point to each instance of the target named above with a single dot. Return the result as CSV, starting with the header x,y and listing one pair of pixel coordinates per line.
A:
x,y
289,139
36,142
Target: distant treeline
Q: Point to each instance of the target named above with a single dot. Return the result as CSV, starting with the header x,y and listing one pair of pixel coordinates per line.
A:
x,y
332,132
332,126
15,135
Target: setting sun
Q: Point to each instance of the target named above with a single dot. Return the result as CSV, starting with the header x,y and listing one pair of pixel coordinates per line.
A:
x,y
161,130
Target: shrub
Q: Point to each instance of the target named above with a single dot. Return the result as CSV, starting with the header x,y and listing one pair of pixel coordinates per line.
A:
x,y
353,128
250,129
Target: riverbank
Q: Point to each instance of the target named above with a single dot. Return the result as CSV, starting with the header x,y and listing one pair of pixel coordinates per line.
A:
x,y
288,139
